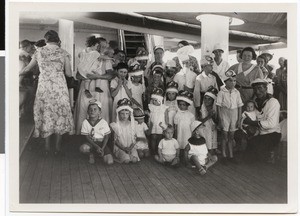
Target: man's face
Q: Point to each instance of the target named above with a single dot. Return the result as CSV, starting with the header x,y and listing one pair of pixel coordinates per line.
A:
x,y
260,90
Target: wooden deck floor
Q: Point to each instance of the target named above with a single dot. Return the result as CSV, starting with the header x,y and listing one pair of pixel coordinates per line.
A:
x,y
71,179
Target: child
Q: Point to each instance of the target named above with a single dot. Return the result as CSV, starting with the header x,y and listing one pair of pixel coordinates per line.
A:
x,y
170,71
156,83
137,86
124,133
251,113
97,132
196,150
157,116
229,106
208,114
119,87
203,82
87,59
183,119
141,131
168,148
171,102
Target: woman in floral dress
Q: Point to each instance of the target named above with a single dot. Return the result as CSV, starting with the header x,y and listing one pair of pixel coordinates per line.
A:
x,y
52,109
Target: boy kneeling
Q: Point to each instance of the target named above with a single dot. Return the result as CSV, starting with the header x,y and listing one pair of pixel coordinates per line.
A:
x,y
97,132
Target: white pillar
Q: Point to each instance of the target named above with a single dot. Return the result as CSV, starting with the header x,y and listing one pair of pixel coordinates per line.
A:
x,y
214,29
66,35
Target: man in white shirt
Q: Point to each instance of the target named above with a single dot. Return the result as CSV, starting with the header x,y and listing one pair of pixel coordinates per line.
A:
x,y
267,122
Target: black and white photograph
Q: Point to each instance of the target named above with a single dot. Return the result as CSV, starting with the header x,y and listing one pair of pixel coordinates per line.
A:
x,y
133,105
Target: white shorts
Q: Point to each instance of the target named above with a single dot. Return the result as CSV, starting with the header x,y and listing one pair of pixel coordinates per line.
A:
x,y
201,158
140,145
168,157
229,119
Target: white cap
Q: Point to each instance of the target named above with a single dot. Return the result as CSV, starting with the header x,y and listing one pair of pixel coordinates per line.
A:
x,y
195,125
95,102
259,81
171,63
218,46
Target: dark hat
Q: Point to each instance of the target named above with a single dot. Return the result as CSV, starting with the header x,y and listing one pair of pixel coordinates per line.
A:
x,y
124,104
138,113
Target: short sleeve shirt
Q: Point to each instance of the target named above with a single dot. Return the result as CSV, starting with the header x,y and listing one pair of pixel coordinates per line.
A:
x,y
229,100
100,129
168,147
140,129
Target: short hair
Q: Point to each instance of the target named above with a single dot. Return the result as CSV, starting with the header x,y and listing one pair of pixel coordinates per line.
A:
x,y
263,57
91,41
93,104
40,43
25,43
101,39
249,49
119,51
169,127
184,43
52,36
122,65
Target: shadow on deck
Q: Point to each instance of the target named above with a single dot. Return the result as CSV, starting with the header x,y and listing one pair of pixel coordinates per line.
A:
x,y
71,179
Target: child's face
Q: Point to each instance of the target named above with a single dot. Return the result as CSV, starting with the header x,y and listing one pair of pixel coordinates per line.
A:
x,y
94,111
182,105
110,53
95,46
208,101
171,96
155,102
140,120
169,133
200,130
250,107
124,115
207,68
156,78
136,79
122,73
230,83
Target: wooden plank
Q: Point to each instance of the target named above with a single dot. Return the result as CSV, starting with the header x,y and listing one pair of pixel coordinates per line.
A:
x,y
158,184
35,184
117,183
55,181
99,190
128,185
110,192
210,186
24,164
25,185
157,197
44,191
87,186
77,193
163,176
66,183
138,184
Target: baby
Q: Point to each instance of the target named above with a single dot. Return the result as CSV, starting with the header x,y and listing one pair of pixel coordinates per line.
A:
x,y
251,113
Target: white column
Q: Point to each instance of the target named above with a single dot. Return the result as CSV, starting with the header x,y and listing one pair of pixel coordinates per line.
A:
x,y
66,35
214,29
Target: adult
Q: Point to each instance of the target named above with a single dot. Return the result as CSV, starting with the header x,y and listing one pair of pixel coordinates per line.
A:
x,y
282,87
158,60
279,71
220,66
261,61
263,146
52,109
104,97
193,62
246,73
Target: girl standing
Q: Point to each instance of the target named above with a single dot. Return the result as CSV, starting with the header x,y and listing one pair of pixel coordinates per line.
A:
x,y
171,102
157,116
124,133
137,86
183,119
119,87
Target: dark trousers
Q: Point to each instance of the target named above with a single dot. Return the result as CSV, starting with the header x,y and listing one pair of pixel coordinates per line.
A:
x,y
259,147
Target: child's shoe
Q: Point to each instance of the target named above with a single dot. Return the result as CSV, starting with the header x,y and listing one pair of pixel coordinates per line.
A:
x,y
202,170
92,159
88,93
97,89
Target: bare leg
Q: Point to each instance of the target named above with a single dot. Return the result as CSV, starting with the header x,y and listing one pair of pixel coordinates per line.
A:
x,y
58,138
198,165
230,143
140,153
224,143
47,144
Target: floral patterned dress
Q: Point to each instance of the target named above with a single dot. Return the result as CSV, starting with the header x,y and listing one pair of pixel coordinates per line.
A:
x,y
52,110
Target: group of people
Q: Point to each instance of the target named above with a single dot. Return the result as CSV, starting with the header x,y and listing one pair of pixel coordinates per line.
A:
x,y
175,111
